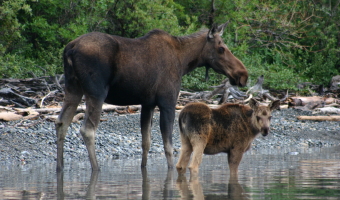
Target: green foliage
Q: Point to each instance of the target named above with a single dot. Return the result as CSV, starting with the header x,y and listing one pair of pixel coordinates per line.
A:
x,y
288,41
37,31
195,80
319,68
9,23
138,17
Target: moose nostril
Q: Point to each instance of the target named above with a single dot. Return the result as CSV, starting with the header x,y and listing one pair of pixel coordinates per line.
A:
x,y
265,131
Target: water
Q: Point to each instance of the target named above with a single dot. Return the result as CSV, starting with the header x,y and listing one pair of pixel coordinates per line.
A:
x,y
267,174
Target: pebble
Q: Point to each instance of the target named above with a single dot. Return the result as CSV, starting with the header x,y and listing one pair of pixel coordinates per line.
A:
x,y
120,136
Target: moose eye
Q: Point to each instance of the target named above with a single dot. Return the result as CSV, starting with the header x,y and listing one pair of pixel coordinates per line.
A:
x,y
220,50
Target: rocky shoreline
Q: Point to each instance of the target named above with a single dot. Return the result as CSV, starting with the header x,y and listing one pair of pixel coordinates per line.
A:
x,y
119,136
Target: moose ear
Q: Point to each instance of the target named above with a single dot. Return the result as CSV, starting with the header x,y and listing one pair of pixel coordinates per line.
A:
x,y
221,28
212,31
274,105
253,103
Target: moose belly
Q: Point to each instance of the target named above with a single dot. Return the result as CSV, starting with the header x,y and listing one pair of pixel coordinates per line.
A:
x,y
121,96
211,150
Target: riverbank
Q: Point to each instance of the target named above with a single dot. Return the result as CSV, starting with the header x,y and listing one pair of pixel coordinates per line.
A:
x,y
119,136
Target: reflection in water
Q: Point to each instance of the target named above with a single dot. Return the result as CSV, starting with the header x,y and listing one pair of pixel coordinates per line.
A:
x,y
146,189
193,189
167,190
60,185
90,190
270,175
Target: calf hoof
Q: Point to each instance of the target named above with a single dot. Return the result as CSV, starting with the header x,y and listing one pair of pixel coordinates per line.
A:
x,y
181,170
193,171
181,178
193,176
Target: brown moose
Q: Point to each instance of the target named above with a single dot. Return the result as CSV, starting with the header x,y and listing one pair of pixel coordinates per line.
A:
x,y
231,128
146,70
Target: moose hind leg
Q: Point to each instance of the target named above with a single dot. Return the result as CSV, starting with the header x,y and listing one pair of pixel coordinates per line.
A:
x,y
89,126
146,124
167,117
184,157
72,99
198,145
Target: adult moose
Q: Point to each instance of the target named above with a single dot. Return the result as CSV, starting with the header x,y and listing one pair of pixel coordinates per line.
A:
x,y
146,71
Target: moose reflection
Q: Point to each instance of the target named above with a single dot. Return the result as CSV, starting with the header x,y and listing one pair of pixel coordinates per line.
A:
x,y
192,189
146,71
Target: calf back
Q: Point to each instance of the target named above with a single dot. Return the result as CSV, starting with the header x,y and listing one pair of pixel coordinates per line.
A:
x,y
223,128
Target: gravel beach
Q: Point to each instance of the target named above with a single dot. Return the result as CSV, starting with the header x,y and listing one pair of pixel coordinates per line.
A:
x,y
119,136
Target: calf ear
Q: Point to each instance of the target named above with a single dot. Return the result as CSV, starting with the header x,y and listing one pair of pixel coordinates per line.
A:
x,y
253,103
274,105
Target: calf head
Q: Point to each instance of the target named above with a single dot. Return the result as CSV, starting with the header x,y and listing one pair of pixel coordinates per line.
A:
x,y
262,114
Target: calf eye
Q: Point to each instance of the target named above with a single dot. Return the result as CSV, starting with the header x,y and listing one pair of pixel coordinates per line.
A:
x,y
220,50
258,118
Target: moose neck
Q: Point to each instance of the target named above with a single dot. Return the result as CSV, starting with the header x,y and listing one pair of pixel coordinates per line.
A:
x,y
191,47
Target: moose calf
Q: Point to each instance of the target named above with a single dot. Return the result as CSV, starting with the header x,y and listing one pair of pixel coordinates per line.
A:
x,y
231,128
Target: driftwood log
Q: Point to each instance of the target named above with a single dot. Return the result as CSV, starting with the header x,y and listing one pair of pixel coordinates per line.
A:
x,y
320,118
12,113
34,98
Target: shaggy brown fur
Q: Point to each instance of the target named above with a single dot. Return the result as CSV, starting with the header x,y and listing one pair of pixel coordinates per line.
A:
x,y
231,128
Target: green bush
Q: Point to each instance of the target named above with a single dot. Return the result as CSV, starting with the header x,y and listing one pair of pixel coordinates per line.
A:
x,y
288,41
17,66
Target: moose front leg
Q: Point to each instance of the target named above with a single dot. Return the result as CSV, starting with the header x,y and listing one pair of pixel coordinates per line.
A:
x,y
234,159
146,124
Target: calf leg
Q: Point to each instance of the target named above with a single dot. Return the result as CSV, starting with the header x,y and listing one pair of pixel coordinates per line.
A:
x,y
72,99
88,129
146,124
184,157
234,159
198,145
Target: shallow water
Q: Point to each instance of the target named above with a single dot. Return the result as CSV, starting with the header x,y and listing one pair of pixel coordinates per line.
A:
x,y
267,174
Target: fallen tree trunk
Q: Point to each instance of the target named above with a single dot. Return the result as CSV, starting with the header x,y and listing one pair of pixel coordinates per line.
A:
x,y
11,97
303,101
81,108
9,116
320,118
13,114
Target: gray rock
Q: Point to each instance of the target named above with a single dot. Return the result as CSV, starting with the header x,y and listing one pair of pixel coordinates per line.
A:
x,y
120,136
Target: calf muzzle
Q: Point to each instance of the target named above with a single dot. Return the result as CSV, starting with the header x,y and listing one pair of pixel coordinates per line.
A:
x,y
265,131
